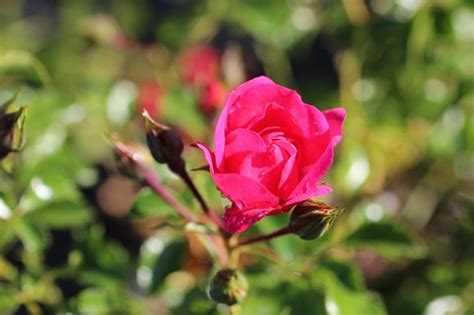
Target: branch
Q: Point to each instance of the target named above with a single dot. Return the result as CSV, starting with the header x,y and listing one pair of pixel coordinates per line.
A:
x,y
260,238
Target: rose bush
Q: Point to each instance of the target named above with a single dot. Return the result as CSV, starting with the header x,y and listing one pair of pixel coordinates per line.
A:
x,y
271,151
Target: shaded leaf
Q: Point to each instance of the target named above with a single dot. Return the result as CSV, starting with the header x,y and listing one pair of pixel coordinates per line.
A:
x,y
170,259
387,239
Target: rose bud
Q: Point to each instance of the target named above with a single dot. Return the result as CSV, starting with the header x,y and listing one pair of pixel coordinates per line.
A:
x,y
8,131
200,64
271,151
311,219
165,144
227,287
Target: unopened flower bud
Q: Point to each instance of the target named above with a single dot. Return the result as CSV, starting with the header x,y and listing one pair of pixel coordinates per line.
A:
x,y
165,144
311,219
228,287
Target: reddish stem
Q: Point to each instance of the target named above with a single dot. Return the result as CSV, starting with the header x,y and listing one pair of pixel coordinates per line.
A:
x,y
260,238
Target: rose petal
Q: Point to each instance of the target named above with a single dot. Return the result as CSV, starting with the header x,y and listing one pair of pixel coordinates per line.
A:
x,y
275,115
318,190
208,155
335,118
308,185
244,192
241,190
219,137
289,177
237,220
243,140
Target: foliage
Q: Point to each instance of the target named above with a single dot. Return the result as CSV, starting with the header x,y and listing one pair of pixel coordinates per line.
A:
x,y
77,236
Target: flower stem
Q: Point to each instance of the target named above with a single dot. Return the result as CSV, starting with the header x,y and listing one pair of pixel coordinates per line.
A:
x,y
259,238
210,214
187,179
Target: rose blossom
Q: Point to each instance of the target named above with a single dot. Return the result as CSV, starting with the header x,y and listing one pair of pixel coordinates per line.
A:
x,y
271,151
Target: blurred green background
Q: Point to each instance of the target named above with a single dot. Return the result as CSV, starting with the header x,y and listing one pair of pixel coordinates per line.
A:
x,y
78,236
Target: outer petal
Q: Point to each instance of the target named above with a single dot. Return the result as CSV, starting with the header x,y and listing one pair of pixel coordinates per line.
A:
x,y
311,120
308,186
335,118
219,138
316,190
244,192
237,220
210,158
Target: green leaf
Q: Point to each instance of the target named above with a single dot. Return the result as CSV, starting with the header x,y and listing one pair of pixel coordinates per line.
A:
x,y
341,299
103,262
7,233
347,273
93,301
60,214
148,204
50,188
170,259
32,237
8,302
386,239
23,66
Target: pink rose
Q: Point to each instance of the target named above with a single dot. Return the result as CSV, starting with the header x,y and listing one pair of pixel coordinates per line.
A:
x,y
271,151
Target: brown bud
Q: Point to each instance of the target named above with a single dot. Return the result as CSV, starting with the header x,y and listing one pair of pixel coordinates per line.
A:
x,y
228,287
311,219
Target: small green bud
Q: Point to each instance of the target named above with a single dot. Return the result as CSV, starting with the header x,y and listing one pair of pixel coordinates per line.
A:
x,y
311,219
165,144
228,287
